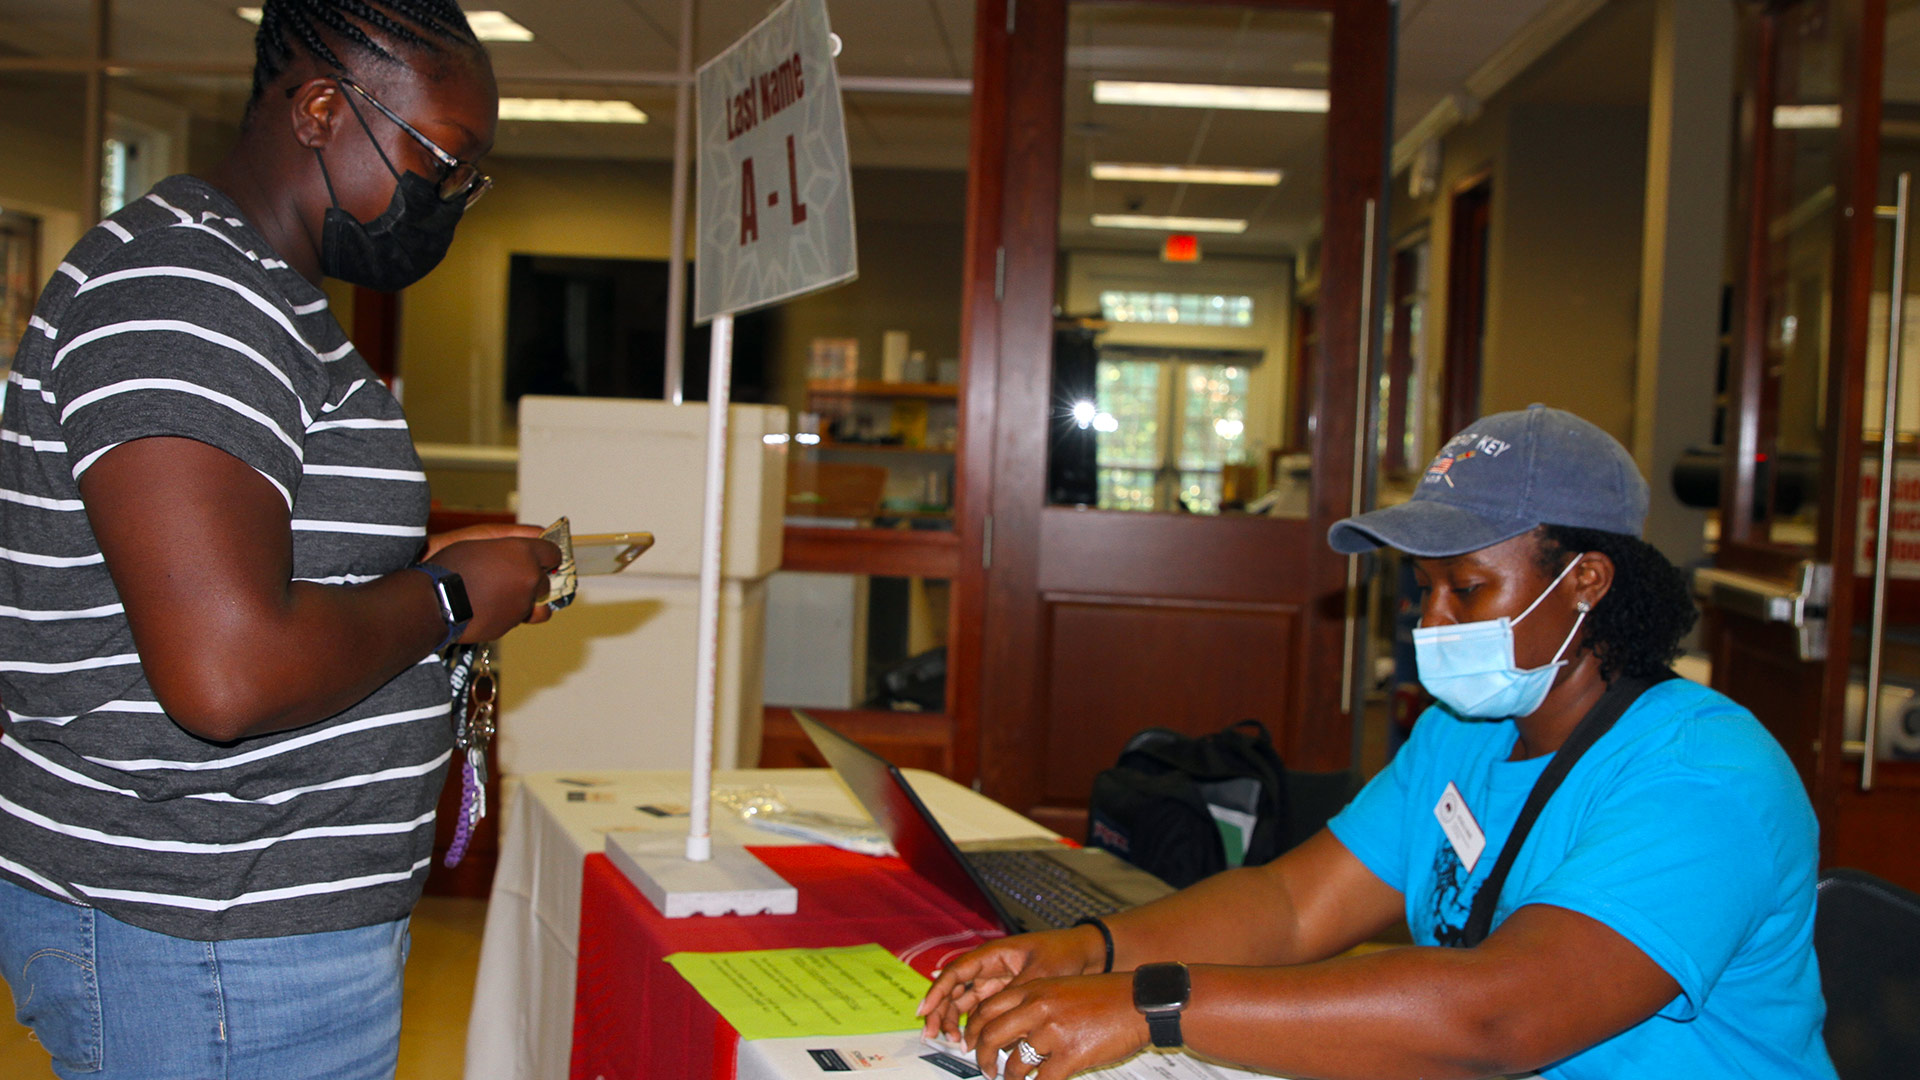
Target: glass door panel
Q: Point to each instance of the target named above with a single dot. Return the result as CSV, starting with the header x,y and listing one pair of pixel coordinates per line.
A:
x,y
1191,193
1897,731
1799,291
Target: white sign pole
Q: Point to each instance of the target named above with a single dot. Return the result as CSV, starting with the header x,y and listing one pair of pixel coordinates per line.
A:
x,y
775,222
706,694
702,880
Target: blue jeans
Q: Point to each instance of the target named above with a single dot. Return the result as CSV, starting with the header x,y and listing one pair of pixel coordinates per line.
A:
x,y
112,1001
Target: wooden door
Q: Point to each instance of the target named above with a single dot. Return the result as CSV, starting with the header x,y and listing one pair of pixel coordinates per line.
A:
x,y
1097,622
1472,234
1800,493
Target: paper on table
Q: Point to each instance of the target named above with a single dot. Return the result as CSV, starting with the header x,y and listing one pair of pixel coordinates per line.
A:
x,y
782,993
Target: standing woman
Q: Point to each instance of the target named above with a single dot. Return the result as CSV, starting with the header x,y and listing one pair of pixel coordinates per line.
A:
x,y
226,723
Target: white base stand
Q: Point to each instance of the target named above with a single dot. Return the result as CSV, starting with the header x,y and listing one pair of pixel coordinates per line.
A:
x,y
733,882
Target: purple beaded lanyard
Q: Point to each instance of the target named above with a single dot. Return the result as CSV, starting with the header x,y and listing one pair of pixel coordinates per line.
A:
x,y
474,691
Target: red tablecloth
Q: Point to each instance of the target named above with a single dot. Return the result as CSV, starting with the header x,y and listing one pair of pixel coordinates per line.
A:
x,y
635,1018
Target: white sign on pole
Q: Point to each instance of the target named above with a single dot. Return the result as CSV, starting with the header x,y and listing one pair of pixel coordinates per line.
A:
x,y
776,193
775,222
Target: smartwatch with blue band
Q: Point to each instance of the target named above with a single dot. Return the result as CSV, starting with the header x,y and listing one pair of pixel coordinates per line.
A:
x,y
455,609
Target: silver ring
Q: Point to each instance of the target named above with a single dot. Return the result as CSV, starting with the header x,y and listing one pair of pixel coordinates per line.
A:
x,y
1028,1054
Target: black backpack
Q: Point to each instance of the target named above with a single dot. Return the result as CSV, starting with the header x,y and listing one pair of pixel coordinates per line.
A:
x,y
1157,807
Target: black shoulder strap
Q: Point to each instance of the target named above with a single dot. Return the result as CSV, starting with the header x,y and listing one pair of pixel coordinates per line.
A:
x,y
1621,694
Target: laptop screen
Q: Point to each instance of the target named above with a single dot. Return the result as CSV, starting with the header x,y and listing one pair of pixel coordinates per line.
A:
x,y
923,845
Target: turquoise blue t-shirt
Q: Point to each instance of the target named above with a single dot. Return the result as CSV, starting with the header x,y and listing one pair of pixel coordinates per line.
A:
x,y
1685,830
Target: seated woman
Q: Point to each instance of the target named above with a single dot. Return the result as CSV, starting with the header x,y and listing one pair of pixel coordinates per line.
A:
x,y
1656,920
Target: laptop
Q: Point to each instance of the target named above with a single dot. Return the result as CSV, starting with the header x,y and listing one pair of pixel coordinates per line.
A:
x,y
1022,885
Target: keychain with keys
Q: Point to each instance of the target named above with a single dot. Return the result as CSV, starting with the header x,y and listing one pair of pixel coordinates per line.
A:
x,y
475,692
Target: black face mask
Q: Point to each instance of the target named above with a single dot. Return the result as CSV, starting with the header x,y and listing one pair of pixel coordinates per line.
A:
x,y
397,248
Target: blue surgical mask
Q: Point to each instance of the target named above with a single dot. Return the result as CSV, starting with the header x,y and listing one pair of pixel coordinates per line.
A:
x,y
1469,667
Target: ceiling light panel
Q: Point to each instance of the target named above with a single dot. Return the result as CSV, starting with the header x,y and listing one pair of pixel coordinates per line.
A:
x,y
1210,96
571,111
487,25
1186,174
1170,224
497,26
1806,117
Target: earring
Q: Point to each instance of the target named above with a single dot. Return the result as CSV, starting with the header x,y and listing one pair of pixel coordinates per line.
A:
x,y
1582,606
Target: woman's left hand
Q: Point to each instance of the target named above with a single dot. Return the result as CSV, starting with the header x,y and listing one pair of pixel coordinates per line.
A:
x,y
1078,1022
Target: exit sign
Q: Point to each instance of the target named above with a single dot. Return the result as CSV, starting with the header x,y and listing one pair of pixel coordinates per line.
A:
x,y
1181,248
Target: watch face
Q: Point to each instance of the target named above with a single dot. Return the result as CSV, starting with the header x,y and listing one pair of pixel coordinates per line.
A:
x,y
455,592
1161,986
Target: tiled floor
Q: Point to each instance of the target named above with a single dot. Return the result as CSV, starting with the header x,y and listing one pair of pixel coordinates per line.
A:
x,y
433,1029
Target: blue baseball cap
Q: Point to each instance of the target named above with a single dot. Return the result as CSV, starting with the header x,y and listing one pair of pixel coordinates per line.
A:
x,y
1505,475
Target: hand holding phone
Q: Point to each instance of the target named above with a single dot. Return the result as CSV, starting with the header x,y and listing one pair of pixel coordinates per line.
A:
x,y
588,553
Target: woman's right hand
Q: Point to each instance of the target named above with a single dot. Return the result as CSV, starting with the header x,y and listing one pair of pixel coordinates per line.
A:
x,y
505,576
993,967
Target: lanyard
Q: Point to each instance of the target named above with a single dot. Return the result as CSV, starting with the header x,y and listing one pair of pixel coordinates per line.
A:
x,y
1621,694
470,673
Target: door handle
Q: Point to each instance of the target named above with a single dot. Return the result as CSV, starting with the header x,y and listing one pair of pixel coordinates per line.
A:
x,y
1350,687
1889,436
1802,605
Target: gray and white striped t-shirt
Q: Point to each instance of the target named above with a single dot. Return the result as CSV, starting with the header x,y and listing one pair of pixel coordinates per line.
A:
x,y
174,318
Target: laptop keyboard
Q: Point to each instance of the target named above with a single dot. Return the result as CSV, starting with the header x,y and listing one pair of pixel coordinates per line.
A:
x,y
1050,890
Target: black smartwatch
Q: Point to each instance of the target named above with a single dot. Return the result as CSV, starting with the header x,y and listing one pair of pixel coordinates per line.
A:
x,y
1160,991
455,609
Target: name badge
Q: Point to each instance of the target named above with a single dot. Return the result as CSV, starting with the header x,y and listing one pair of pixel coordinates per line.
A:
x,y
1462,831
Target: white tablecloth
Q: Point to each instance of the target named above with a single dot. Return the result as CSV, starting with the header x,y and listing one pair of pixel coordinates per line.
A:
x,y
521,1027
787,1059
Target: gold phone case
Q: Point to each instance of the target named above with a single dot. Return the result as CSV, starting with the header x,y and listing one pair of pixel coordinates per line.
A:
x,y
608,553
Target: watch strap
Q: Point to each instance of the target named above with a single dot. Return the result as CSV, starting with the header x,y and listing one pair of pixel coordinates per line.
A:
x,y
1163,1027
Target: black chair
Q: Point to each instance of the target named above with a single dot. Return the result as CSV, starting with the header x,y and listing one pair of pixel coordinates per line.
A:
x,y
1867,935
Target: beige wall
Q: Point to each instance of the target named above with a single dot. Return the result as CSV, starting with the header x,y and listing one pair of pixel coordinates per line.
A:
x,y
1609,162
911,231
454,324
911,227
41,120
1472,150
1563,269
1564,323
40,124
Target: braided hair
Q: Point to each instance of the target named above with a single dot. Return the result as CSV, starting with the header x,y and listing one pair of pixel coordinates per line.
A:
x,y
320,27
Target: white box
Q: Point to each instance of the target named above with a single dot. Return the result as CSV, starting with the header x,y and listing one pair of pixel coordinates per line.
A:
x,y
893,355
816,653
1898,734
641,466
609,682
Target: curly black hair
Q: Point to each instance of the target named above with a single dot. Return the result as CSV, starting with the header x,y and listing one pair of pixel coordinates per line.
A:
x,y
1636,628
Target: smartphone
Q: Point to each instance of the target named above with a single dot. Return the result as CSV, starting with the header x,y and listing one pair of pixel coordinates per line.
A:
x,y
608,553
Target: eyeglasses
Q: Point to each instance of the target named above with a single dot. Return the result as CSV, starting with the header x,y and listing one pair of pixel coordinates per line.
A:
x,y
460,181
